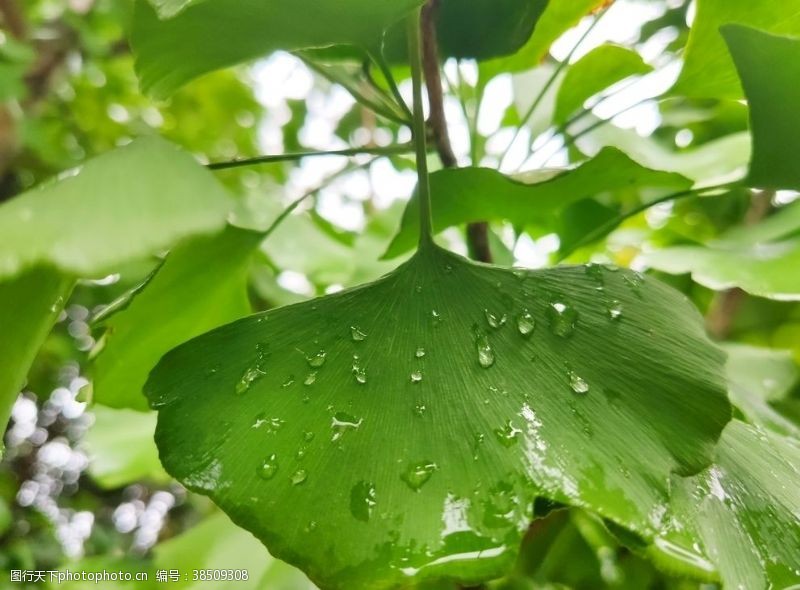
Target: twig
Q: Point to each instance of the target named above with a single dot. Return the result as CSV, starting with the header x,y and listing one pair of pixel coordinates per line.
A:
x,y
391,150
478,232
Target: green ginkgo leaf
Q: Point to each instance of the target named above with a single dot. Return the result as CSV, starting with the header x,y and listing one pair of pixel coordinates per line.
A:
x,y
745,509
400,431
459,195
215,34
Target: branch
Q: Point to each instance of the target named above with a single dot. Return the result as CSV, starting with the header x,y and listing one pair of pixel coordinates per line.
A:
x,y
13,19
477,233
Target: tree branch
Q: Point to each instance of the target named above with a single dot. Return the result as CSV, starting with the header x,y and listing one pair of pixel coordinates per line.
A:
x,y
477,233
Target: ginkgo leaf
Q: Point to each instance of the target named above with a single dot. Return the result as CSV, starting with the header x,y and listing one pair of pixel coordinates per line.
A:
x,y
708,70
400,431
130,203
769,67
215,34
459,195
202,285
29,305
745,509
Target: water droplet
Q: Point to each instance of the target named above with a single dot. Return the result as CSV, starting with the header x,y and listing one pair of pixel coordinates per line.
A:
x,y
341,423
360,374
595,272
416,377
577,383
448,268
250,376
634,280
418,474
436,317
310,378
563,319
270,425
316,361
615,310
363,498
300,454
268,467
477,442
308,436
299,477
495,321
485,352
420,408
357,334
525,323
508,435
420,352
289,381
418,288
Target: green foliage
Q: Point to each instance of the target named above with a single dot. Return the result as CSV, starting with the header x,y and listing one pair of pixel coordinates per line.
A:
x,y
308,390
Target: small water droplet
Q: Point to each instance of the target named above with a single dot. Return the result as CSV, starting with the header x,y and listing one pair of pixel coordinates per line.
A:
x,y
268,467
363,498
526,324
343,422
270,425
477,442
485,352
289,381
250,376
418,288
448,268
300,454
495,321
595,272
563,319
436,317
299,477
420,352
311,378
508,435
418,474
357,334
317,360
416,377
577,383
420,408
635,281
615,310
360,374
308,436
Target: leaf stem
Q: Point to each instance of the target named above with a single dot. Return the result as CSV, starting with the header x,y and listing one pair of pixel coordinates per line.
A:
x,y
424,190
391,150
380,61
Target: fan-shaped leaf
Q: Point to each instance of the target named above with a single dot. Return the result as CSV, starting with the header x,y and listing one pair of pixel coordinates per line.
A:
x,y
745,509
216,34
459,195
130,203
202,285
401,430
708,71
770,69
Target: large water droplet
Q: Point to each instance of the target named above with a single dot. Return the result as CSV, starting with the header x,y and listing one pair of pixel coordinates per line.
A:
x,y
563,319
357,334
363,498
418,474
577,383
416,377
495,321
525,323
250,376
420,352
299,477
317,360
508,435
343,422
268,467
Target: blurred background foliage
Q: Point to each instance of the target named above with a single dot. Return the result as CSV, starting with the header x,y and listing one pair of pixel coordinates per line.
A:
x,y
83,485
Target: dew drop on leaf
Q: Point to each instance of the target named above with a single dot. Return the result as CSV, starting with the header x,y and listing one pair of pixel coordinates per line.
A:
x,y
310,378
416,377
289,381
268,467
477,443
317,360
420,409
341,423
615,310
577,383
563,319
299,477
495,321
357,334
420,352
363,498
485,352
250,376
525,323
308,436
361,375
508,435
418,474
595,272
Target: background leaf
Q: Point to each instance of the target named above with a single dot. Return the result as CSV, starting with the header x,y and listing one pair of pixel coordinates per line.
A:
x,y
127,204
202,285
417,453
